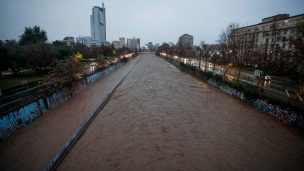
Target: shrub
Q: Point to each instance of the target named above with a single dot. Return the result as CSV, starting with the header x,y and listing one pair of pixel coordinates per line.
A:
x,y
250,93
208,75
218,78
124,60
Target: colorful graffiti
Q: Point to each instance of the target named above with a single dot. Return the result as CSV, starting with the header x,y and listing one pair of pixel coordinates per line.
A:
x,y
227,89
17,119
285,115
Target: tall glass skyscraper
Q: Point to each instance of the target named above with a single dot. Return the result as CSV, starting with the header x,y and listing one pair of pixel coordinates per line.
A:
x,y
98,23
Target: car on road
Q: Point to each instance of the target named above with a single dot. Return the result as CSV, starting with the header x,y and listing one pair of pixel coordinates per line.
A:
x,y
267,78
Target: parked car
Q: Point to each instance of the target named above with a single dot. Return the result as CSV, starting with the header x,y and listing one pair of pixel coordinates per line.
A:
x,y
267,78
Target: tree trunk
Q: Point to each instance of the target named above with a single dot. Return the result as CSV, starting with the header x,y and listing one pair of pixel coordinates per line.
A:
x,y
225,72
199,63
239,73
205,64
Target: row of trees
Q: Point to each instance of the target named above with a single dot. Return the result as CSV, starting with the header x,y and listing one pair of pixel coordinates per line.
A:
x,y
270,58
33,51
245,53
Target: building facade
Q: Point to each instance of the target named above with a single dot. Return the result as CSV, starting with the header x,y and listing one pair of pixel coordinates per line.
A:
x,y
98,28
69,41
122,42
186,41
98,23
133,43
89,41
267,42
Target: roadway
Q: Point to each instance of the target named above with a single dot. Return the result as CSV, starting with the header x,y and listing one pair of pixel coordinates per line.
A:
x,y
275,88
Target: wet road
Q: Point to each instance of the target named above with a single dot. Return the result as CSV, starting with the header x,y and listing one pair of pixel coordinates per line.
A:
x,y
163,119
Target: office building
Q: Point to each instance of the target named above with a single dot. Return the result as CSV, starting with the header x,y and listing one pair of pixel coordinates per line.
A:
x,y
69,41
186,41
122,42
89,41
98,28
98,23
133,43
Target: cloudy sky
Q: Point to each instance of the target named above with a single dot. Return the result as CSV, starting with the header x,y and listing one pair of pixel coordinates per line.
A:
x,y
151,20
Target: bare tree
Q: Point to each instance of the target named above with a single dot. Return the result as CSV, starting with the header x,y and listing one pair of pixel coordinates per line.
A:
x,y
205,53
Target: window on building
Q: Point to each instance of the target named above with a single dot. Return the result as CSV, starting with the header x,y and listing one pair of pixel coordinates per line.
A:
x,y
278,39
267,40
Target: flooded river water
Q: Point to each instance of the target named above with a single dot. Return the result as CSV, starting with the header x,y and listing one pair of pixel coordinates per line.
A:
x,y
163,119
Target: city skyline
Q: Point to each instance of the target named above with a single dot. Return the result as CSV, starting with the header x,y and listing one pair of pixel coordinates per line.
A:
x,y
156,21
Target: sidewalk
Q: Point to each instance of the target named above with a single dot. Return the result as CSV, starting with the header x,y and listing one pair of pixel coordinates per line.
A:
x,y
34,145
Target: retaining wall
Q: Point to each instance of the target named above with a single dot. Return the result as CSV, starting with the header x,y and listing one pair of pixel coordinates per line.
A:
x,y
26,114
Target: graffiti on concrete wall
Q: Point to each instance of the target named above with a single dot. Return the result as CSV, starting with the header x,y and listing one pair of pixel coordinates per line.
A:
x,y
287,116
23,116
227,89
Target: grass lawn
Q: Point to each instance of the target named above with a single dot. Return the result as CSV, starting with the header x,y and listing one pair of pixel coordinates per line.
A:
x,y
15,81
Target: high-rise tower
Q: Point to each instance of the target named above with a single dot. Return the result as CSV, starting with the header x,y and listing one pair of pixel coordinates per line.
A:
x,y
98,23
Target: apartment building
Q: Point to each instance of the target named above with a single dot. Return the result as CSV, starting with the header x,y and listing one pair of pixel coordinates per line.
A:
x,y
267,42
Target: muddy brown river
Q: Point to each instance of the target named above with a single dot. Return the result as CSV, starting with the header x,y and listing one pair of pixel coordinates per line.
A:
x,y
158,119
163,119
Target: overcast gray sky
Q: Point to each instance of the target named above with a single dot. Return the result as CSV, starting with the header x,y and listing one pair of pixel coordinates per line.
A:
x,y
151,20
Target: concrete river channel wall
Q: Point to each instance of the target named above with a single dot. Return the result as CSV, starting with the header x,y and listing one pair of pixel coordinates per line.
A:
x,y
26,114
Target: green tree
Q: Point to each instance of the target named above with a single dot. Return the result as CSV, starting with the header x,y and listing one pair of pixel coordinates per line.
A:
x,y
62,75
40,55
3,58
16,58
106,51
32,36
62,50
81,48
